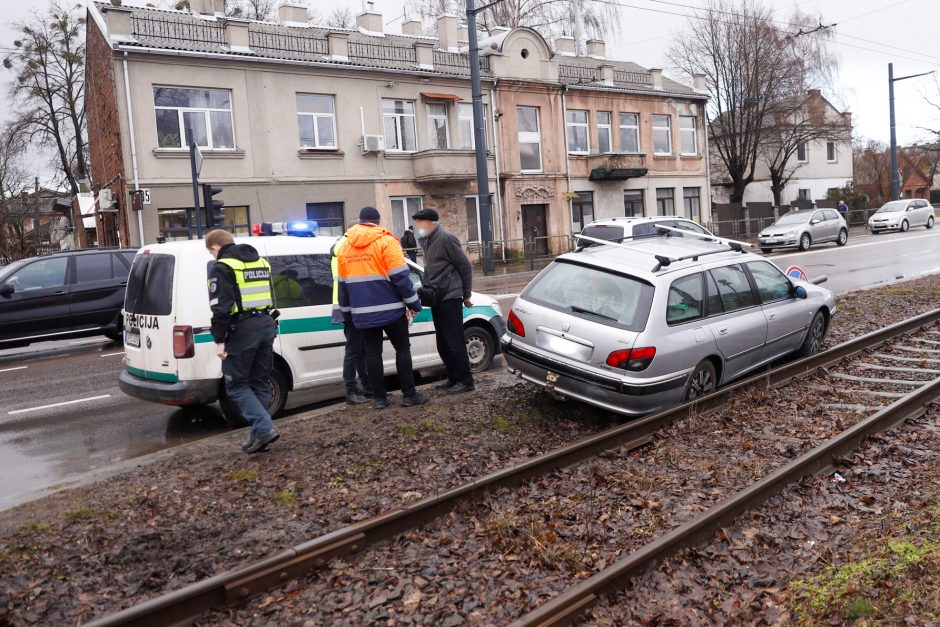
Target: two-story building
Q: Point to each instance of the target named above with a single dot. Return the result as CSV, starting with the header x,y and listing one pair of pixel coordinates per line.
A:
x,y
297,121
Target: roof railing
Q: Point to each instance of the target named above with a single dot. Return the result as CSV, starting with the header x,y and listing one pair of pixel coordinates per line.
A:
x,y
663,261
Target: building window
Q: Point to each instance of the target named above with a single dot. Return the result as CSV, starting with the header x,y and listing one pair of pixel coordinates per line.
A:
x,y
629,132
665,201
468,139
688,135
801,155
604,132
200,115
472,204
437,125
831,152
403,208
577,123
530,139
329,217
399,119
692,203
805,194
582,211
180,224
662,135
316,119
633,203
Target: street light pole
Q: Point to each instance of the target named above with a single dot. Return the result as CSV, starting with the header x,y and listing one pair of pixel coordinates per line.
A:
x,y
895,172
479,132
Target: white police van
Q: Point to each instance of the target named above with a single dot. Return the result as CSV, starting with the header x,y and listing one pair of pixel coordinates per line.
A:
x,y
170,353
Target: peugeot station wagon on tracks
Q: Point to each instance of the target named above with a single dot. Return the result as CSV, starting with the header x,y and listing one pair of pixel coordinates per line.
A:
x,y
636,328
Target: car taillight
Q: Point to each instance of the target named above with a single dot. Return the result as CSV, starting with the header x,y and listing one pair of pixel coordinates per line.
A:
x,y
183,345
515,324
634,359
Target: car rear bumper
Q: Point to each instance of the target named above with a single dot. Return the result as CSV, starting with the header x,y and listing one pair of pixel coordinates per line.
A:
x,y
612,393
198,392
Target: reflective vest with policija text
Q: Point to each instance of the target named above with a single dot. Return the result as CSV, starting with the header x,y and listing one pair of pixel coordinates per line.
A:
x,y
253,281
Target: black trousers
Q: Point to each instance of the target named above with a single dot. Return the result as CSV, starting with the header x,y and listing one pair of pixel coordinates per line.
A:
x,y
354,359
397,333
451,345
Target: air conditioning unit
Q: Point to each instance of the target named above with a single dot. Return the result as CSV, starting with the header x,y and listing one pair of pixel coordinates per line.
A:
x,y
105,199
373,143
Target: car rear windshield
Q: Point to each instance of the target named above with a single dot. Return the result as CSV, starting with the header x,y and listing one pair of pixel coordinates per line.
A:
x,y
609,232
594,294
150,285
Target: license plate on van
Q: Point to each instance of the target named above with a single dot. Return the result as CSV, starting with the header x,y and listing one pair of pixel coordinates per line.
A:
x,y
132,337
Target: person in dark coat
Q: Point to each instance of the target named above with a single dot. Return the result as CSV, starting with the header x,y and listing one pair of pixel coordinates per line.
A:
x,y
448,269
409,244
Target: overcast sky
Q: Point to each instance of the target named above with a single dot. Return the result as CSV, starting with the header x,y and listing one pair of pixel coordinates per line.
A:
x,y
869,35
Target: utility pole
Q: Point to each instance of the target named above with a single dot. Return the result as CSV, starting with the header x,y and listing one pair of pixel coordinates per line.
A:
x,y
36,207
479,130
895,172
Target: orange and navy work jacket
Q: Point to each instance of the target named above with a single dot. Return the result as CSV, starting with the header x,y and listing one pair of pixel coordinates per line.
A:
x,y
372,276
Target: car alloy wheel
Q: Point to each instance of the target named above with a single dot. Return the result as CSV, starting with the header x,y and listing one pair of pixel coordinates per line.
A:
x,y
843,237
904,226
930,222
702,381
814,336
805,241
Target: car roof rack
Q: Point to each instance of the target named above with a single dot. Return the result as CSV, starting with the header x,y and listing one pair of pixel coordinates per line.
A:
x,y
703,236
662,260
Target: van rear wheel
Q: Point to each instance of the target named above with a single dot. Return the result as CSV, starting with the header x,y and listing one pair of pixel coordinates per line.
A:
x,y
277,382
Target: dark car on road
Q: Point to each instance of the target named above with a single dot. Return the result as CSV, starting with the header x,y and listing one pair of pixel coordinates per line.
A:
x,y
68,294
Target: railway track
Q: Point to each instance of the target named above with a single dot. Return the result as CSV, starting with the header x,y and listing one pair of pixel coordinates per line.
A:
x,y
887,376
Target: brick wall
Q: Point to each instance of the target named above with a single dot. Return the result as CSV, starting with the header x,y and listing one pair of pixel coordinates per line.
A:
x,y
104,135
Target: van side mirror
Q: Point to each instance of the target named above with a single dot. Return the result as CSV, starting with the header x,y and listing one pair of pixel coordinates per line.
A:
x,y
800,292
6,289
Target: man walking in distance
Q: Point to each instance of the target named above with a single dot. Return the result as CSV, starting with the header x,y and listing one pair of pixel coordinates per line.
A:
x,y
243,329
376,295
409,244
448,270
354,356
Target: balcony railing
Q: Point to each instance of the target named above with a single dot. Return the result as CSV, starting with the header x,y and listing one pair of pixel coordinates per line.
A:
x,y
283,44
458,61
633,78
360,51
578,74
176,30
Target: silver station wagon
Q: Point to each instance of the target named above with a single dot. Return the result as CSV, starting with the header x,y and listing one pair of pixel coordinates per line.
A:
x,y
639,327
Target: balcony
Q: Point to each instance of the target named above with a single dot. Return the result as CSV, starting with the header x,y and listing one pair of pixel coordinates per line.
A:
x,y
617,167
444,165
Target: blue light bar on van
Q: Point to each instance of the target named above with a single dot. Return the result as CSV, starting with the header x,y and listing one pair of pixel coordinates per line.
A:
x,y
297,228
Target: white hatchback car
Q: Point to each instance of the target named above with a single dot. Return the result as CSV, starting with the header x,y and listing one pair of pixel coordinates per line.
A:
x,y
900,215
617,229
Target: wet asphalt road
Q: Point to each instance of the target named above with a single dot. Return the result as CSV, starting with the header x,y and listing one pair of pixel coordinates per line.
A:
x,y
62,413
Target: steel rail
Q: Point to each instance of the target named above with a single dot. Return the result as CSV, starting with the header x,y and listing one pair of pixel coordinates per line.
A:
x,y
241,583
564,608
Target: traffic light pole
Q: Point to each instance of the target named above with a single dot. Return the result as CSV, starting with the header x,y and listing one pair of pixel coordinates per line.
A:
x,y
479,130
197,206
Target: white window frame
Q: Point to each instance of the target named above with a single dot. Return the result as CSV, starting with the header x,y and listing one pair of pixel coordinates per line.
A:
x,y
432,135
629,127
405,213
808,196
667,128
805,158
397,118
586,125
180,111
686,203
531,137
605,128
316,127
835,153
476,201
685,132
465,116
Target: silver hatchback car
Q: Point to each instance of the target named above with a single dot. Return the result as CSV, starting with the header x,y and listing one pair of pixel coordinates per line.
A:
x,y
637,328
801,229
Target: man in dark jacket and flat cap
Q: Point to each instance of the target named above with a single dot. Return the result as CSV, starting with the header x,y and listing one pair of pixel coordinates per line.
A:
x,y
447,268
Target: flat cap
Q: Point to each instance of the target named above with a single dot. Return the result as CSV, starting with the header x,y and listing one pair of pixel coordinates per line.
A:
x,y
427,214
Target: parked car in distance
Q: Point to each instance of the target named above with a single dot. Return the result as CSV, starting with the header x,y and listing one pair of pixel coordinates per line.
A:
x,y
801,229
634,329
900,215
616,229
69,294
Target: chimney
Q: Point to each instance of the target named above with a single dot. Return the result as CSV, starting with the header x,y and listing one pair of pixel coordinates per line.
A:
x,y
463,33
698,82
447,32
207,7
424,54
597,48
118,19
289,13
656,78
338,45
498,30
607,74
370,21
236,34
564,46
412,27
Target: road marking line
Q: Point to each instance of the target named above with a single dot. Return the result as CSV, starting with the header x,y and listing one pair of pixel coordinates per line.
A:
x,y
78,400
112,354
16,368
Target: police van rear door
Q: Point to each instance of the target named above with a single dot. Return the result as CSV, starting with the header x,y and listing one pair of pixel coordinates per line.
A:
x,y
148,317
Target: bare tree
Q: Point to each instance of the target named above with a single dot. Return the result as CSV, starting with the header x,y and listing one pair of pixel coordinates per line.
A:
x,y
871,164
752,72
253,9
14,182
48,64
341,17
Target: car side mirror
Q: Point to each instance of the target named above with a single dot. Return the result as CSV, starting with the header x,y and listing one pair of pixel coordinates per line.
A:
x,y
6,290
800,292
814,222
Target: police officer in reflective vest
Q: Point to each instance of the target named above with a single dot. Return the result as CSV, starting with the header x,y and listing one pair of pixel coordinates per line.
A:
x,y
243,329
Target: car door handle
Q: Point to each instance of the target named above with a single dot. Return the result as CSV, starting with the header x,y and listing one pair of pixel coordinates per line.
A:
x,y
772,316
723,331
60,292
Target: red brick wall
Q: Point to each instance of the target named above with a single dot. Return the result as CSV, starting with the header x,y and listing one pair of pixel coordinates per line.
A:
x,y
104,134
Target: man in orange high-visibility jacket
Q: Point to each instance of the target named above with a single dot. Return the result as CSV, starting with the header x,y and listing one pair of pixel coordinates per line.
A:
x,y
376,295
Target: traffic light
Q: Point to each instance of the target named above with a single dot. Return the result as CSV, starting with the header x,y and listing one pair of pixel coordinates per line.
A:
x,y
211,206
